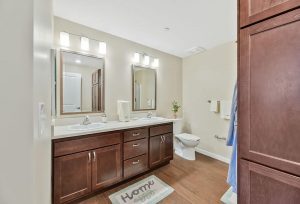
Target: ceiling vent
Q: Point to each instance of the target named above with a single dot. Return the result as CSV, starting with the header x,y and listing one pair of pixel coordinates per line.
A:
x,y
195,50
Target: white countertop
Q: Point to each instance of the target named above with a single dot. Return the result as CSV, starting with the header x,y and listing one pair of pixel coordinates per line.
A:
x,y
67,131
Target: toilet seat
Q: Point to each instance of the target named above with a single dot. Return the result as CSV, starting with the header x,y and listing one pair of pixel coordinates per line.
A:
x,y
188,137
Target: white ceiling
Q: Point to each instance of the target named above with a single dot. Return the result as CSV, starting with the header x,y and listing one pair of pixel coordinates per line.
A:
x,y
192,23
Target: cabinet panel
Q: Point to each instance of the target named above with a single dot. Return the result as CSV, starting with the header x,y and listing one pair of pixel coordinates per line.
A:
x,y
106,166
252,11
167,147
260,184
88,143
135,166
269,92
135,148
136,134
155,150
72,176
161,129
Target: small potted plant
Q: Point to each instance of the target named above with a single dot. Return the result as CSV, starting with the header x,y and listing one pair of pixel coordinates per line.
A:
x,y
175,108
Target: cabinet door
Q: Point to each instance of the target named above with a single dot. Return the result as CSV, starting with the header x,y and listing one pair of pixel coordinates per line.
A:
x,y
72,176
106,166
167,147
260,184
252,11
269,92
155,150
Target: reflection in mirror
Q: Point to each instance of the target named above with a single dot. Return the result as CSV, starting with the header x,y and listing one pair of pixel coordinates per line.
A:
x,y
82,79
144,88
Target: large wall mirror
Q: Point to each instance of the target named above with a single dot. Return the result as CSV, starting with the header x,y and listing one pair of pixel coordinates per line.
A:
x,y
81,83
144,88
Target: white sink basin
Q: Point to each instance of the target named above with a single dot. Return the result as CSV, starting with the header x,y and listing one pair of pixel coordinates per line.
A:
x,y
151,119
92,126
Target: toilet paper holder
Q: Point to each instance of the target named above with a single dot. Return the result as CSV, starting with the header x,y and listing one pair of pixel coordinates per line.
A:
x,y
220,138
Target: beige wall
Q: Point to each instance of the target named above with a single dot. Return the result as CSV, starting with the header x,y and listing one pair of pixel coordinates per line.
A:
x,y
207,76
24,81
118,81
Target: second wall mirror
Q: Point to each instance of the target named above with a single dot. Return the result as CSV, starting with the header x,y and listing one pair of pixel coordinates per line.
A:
x,y
81,83
144,88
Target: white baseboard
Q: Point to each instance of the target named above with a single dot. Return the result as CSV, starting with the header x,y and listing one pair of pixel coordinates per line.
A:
x,y
212,155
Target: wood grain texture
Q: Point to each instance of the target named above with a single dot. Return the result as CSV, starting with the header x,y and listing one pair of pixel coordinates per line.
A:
x,y
253,11
269,92
136,134
195,182
106,166
135,166
135,148
67,184
87,143
261,184
161,129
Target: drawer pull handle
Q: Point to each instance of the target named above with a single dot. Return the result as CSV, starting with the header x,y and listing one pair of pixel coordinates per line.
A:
x,y
94,153
136,134
136,162
89,157
136,145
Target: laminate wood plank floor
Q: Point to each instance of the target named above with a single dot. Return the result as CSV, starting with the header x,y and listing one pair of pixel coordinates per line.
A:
x,y
195,182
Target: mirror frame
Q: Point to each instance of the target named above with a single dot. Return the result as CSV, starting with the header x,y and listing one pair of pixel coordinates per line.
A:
x,y
62,83
132,84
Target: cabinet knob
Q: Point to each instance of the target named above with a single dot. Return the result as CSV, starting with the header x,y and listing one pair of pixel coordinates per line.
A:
x,y
136,162
136,134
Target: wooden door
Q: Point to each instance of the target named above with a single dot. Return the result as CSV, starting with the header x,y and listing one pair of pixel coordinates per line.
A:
x,y
252,11
72,176
260,184
106,166
155,151
269,93
167,147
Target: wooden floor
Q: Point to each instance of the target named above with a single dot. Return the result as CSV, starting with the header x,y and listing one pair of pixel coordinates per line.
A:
x,y
198,182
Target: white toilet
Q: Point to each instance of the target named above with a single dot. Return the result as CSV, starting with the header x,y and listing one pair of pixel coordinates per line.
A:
x,y
184,143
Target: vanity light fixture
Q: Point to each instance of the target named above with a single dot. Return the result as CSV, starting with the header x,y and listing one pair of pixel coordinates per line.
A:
x,y
155,63
146,60
85,43
136,58
64,39
102,48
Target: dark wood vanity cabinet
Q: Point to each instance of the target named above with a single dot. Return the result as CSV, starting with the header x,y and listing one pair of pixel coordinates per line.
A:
x,y
85,164
268,105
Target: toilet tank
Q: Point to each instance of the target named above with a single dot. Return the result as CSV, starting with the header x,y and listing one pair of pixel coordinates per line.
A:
x,y
177,126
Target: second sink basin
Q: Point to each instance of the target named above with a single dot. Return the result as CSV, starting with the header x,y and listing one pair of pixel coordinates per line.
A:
x,y
92,126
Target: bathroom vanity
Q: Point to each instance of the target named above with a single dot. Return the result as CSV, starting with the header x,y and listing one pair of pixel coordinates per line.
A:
x,y
85,163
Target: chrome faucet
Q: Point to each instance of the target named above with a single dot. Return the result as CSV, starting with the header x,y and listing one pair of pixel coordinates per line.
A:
x,y
149,114
86,120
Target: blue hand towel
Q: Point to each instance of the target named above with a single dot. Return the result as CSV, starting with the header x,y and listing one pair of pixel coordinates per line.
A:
x,y
232,141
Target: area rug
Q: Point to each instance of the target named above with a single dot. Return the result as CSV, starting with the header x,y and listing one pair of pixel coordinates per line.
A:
x,y
150,190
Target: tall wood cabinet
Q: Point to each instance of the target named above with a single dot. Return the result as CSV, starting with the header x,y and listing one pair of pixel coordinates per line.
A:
x,y
269,102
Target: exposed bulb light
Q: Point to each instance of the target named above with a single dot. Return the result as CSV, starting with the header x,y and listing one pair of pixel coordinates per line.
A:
x,y
85,43
64,39
78,61
102,48
136,58
155,63
146,60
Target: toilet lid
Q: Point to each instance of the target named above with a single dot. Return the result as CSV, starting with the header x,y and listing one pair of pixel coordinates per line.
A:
x,y
186,136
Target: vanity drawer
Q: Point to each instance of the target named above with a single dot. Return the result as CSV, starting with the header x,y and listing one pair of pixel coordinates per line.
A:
x,y
84,144
135,134
161,129
135,148
135,165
